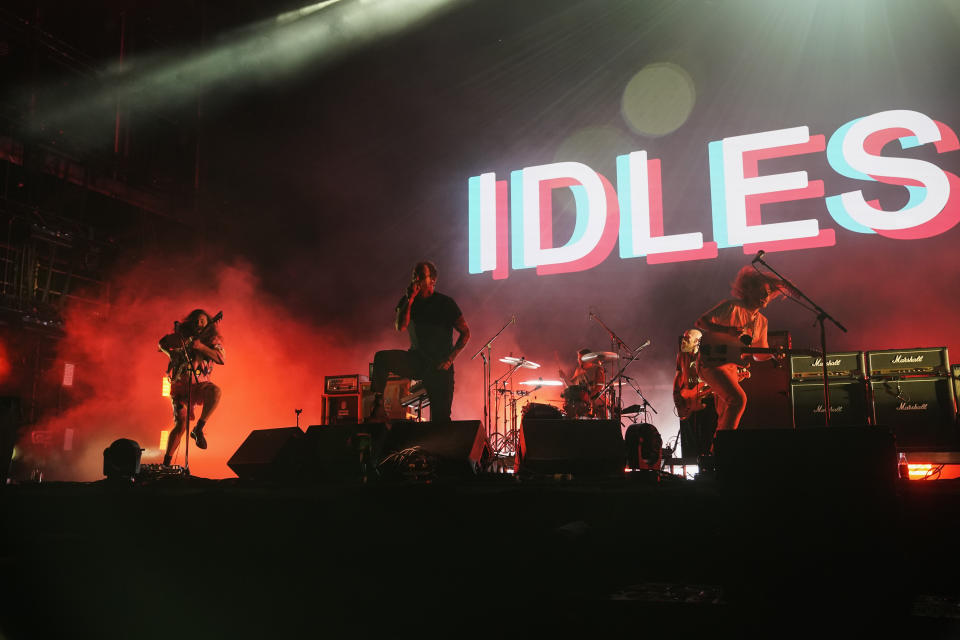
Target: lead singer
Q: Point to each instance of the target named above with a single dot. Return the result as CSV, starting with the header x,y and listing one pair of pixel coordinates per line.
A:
x,y
429,318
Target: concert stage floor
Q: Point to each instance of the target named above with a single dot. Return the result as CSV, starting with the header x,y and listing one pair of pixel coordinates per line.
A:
x,y
485,556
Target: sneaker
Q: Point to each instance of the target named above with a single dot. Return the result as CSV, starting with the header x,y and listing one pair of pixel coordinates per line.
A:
x,y
197,434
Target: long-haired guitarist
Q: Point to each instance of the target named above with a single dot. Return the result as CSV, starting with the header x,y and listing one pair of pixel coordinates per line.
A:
x,y
193,348
729,326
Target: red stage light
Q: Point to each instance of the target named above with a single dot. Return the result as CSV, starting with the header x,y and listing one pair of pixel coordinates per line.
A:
x,y
931,471
68,374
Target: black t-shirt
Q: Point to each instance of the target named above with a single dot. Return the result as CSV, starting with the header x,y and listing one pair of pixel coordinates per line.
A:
x,y
431,326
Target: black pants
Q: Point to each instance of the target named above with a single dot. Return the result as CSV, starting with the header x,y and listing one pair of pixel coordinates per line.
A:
x,y
696,432
412,364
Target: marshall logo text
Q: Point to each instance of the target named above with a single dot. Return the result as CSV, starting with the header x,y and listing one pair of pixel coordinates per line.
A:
x,y
912,406
900,359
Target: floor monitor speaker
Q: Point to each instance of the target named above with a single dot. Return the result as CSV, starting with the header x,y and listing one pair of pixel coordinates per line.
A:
x,y
458,446
269,454
582,447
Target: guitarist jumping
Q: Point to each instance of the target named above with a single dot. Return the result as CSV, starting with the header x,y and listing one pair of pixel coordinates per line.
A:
x,y
733,329
193,348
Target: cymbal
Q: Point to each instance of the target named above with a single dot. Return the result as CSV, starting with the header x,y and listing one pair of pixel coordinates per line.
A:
x,y
523,363
540,382
634,408
600,355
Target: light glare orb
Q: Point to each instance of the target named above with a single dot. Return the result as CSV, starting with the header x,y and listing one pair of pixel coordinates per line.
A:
x,y
658,99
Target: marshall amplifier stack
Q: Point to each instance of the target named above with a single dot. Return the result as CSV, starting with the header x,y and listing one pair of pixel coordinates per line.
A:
x,y
849,406
911,391
914,395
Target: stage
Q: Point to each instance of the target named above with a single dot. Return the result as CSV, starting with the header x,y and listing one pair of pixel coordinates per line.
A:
x,y
487,555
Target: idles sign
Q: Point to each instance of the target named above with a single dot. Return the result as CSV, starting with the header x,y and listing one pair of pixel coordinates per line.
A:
x,y
633,213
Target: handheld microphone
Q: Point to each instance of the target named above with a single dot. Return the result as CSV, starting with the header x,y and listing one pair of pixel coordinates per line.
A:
x,y
757,257
513,319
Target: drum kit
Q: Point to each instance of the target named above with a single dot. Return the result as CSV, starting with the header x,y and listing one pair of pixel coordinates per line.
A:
x,y
574,401
548,398
595,397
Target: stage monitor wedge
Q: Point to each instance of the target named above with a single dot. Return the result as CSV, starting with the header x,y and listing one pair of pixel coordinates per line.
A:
x,y
578,447
459,446
269,454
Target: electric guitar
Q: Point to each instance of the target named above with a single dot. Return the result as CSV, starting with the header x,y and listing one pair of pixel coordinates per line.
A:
x,y
717,349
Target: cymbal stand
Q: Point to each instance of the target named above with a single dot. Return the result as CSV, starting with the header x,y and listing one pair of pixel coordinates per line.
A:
x,y
500,388
485,354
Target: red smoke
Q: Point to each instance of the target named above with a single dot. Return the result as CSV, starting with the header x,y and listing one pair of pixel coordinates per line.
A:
x,y
4,363
274,364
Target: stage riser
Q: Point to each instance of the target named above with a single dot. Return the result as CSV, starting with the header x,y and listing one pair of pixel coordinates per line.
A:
x,y
772,459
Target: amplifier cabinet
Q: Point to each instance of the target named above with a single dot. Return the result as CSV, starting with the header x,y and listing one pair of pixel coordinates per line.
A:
x,y
341,409
956,381
920,411
933,361
839,365
848,404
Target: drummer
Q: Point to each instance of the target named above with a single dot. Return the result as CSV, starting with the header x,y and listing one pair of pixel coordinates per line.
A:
x,y
589,377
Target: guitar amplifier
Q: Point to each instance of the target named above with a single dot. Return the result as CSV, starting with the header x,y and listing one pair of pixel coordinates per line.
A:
x,y
848,404
920,411
932,361
847,365
343,385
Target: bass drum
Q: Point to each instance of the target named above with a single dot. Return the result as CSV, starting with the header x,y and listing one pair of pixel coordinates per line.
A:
x,y
576,402
538,411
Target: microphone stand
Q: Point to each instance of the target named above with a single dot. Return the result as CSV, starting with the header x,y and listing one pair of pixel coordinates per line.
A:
x,y
617,345
190,379
822,316
646,403
613,336
485,352
619,377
